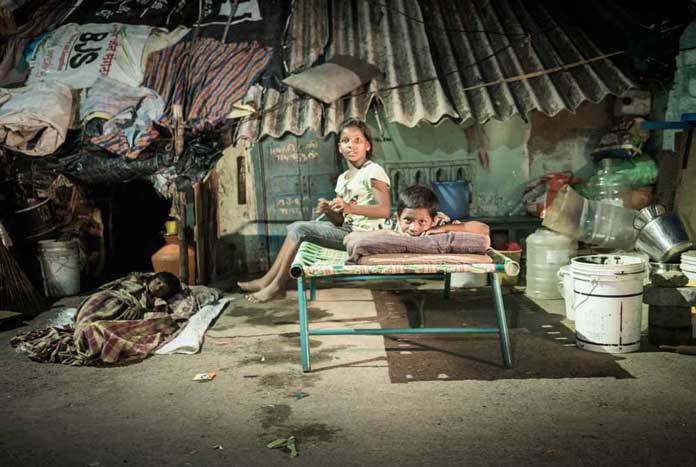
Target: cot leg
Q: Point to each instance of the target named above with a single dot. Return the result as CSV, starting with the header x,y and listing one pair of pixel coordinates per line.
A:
x,y
304,325
502,321
448,281
312,289
420,303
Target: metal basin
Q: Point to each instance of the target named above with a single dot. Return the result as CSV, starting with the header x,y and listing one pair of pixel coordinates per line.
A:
x,y
663,238
647,214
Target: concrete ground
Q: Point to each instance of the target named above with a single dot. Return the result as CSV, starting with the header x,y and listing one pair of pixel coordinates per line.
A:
x,y
151,413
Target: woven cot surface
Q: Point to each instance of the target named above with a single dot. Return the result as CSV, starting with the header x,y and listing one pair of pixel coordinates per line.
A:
x,y
314,260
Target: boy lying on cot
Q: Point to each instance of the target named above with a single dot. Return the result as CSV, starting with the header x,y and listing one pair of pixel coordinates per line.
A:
x,y
417,215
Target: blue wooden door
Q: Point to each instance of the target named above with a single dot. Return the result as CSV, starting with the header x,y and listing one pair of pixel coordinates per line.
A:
x,y
294,173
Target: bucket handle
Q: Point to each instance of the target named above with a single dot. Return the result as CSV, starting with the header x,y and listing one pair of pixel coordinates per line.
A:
x,y
595,283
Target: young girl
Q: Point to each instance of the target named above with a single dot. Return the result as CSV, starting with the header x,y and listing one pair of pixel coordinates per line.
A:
x,y
362,204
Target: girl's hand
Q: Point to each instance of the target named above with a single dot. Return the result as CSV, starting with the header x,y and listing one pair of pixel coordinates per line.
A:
x,y
339,205
323,206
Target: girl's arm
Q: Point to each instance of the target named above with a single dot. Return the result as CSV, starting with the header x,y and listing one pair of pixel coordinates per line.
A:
x,y
380,210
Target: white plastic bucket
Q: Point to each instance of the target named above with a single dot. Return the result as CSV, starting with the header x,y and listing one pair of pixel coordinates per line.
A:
x,y
60,267
565,287
608,295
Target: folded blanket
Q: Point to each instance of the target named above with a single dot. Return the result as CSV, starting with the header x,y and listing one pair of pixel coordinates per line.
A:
x,y
415,258
450,242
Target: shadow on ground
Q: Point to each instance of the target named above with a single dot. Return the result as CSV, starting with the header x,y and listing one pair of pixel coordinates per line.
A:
x,y
542,346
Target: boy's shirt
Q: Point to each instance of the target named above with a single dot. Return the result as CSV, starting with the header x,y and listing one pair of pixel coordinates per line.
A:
x,y
392,223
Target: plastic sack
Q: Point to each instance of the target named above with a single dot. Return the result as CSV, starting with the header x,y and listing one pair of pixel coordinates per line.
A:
x,y
35,119
77,54
539,194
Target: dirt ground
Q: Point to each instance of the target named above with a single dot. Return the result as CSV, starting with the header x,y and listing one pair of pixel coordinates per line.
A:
x,y
559,406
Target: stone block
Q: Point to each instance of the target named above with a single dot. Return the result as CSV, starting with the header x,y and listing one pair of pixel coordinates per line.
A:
x,y
664,296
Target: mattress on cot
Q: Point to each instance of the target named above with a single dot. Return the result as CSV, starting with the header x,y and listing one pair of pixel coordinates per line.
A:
x,y
313,260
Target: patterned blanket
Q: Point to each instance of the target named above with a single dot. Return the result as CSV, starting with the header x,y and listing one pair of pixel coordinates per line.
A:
x,y
380,243
119,323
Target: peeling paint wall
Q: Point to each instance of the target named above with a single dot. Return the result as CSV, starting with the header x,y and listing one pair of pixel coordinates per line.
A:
x,y
564,142
237,230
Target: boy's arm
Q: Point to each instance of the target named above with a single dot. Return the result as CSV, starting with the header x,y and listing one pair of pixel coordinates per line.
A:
x,y
471,227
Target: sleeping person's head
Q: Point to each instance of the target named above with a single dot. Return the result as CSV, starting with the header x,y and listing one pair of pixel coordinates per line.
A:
x,y
416,210
163,285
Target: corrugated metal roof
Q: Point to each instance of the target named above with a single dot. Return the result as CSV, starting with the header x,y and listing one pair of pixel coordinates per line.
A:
x,y
308,35
480,49
520,38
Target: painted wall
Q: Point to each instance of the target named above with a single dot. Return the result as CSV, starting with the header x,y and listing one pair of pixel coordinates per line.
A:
x,y
517,151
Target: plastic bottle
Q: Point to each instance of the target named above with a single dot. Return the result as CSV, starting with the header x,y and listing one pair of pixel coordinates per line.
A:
x,y
547,251
610,186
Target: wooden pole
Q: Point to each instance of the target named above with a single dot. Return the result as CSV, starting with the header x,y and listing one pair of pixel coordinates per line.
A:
x,y
181,233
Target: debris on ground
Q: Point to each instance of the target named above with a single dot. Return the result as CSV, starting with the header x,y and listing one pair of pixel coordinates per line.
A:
x,y
299,395
218,447
204,377
289,444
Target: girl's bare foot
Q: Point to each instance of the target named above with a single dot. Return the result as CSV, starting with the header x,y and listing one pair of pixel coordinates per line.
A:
x,y
252,286
272,292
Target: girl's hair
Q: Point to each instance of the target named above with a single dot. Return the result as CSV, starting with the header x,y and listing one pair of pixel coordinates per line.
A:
x,y
360,125
417,197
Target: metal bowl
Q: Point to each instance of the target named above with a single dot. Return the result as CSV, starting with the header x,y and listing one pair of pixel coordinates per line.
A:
x,y
664,267
663,238
648,214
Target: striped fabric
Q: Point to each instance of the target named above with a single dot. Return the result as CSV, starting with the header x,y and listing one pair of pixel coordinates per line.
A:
x,y
206,76
314,261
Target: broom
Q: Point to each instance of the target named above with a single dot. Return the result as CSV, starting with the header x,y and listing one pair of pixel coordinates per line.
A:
x,y
16,291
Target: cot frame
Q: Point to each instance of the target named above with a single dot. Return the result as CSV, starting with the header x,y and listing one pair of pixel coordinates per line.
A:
x,y
305,331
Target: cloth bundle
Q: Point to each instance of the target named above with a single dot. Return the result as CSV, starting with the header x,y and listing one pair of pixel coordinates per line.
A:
x,y
35,118
379,243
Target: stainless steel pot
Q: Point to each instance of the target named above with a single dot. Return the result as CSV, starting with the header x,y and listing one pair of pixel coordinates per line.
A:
x,y
663,238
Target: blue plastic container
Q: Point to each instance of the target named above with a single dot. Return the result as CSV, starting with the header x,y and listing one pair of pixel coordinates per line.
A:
x,y
454,198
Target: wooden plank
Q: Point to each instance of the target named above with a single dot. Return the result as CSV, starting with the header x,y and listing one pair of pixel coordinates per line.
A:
x,y
199,233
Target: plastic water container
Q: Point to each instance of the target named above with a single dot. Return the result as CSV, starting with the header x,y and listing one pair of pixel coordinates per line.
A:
x,y
608,302
454,198
60,267
547,251
565,287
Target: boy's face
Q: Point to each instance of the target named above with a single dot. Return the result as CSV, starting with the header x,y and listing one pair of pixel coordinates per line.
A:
x,y
415,221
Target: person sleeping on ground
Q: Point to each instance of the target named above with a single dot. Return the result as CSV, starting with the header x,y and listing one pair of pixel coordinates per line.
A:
x,y
125,320
418,227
